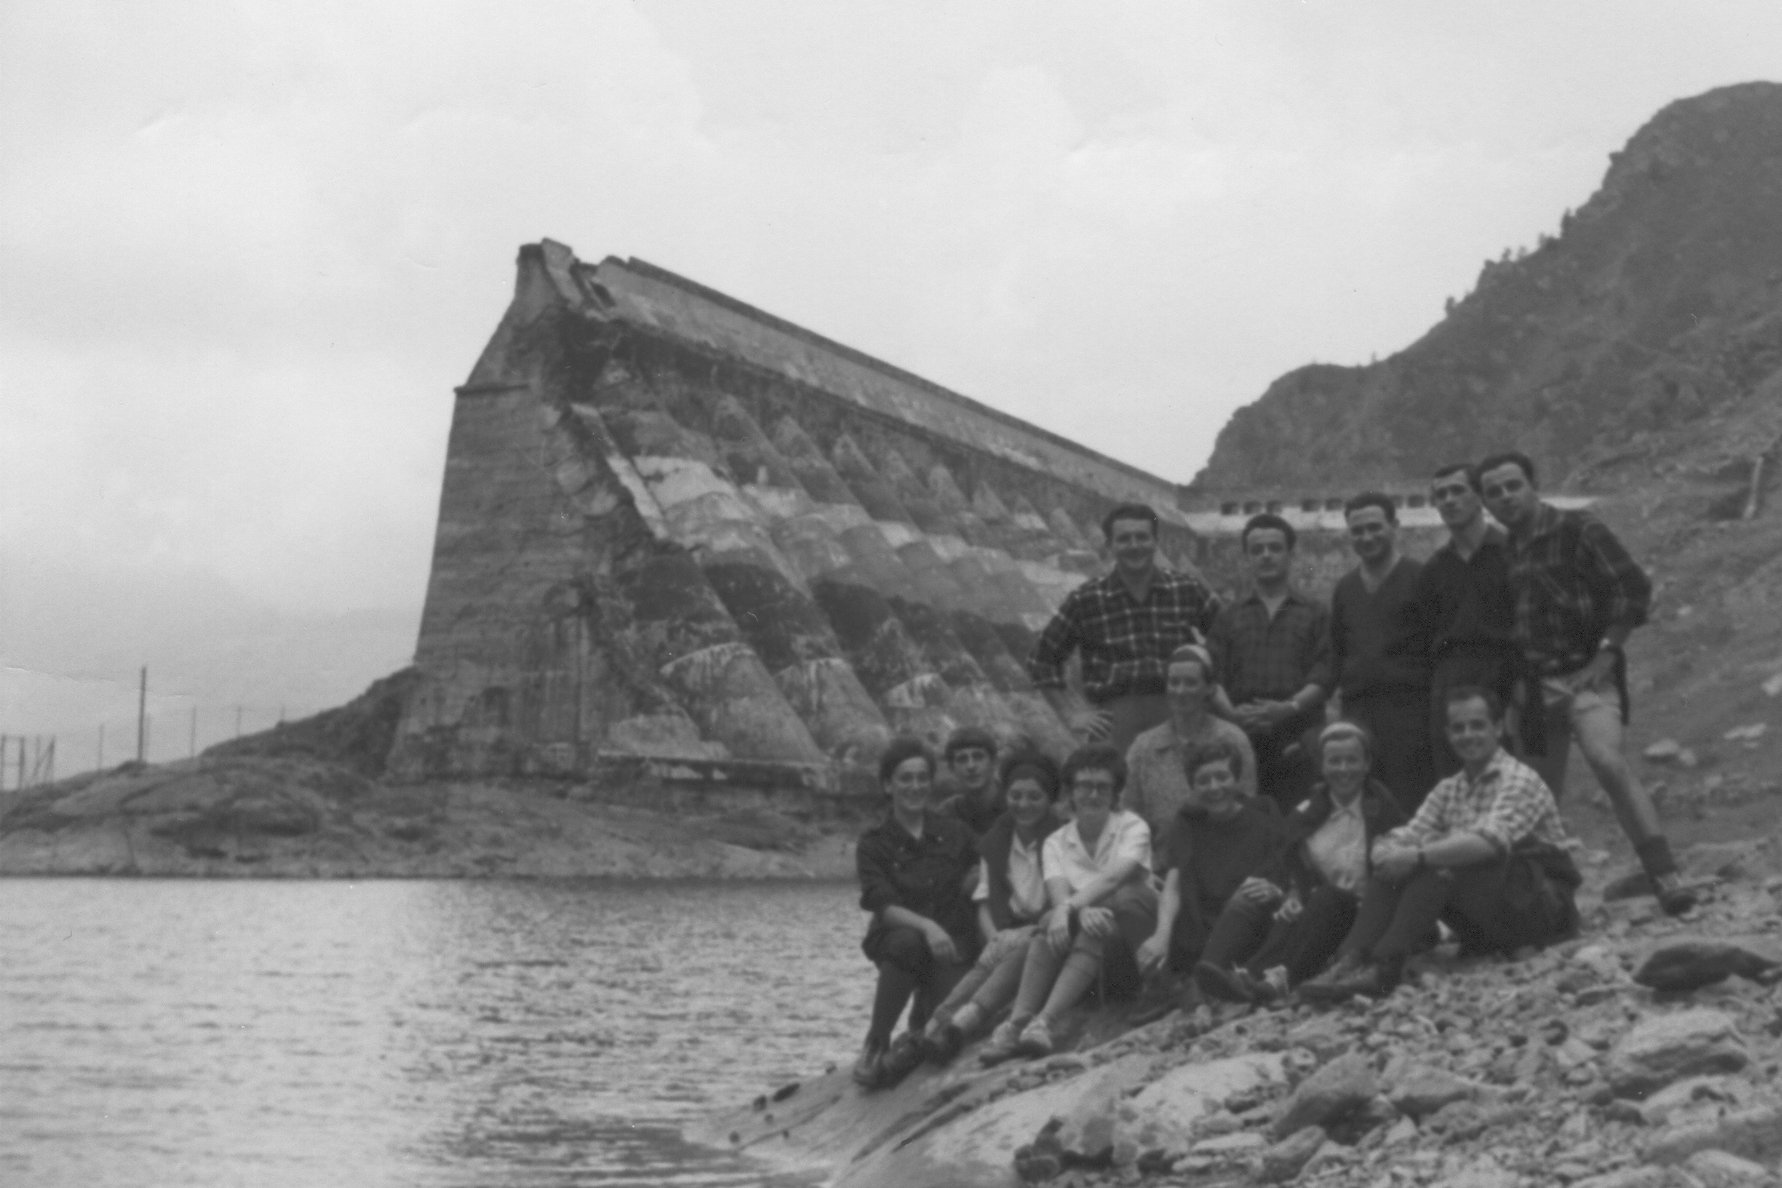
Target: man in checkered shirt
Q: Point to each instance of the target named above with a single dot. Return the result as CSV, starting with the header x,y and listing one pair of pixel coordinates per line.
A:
x,y
1124,626
1486,854
1578,596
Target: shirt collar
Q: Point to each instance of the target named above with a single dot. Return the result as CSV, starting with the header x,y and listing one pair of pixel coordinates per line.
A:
x,y
1293,595
1546,519
1493,770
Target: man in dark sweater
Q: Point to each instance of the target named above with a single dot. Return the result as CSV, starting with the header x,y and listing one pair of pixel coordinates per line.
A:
x,y
1463,600
1378,652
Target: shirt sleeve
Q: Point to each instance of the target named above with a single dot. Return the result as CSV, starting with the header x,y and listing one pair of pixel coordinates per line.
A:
x,y
1209,612
981,893
1626,589
1133,841
872,861
1219,647
1235,735
1052,863
1430,821
1060,638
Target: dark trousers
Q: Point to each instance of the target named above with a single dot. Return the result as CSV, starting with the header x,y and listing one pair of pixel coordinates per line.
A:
x,y
1399,720
907,968
1248,935
1496,906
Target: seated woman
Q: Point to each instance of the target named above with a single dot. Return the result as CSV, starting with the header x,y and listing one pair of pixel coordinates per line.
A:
x,y
1486,854
912,869
1156,784
1256,954
1011,899
1222,847
1098,882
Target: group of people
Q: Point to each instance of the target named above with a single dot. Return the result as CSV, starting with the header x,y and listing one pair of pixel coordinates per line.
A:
x,y
1279,796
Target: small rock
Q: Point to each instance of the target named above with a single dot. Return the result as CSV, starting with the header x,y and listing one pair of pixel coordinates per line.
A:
x,y
1485,1172
1242,1143
1691,964
1688,758
1333,1092
1691,1091
1665,1048
1632,1177
1753,1134
1662,751
1750,733
1773,686
1402,1131
1283,1161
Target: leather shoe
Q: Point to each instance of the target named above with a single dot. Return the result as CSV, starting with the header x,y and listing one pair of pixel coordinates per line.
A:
x,y
1226,985
944,1045
1373,979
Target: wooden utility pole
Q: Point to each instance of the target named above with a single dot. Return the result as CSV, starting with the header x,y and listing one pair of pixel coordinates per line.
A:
x,y
142,716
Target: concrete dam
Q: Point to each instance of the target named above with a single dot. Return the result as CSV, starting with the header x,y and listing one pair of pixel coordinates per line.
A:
x,y
682,541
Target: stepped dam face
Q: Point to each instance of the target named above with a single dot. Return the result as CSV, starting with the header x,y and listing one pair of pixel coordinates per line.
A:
x,y
681,538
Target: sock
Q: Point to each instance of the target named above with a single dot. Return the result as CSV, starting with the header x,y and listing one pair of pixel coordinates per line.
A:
x,y
1073,982
966,1018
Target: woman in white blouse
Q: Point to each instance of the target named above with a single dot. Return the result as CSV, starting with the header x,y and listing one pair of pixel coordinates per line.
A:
x,y
1098,882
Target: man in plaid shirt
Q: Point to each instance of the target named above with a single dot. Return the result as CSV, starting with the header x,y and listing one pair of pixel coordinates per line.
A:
x,y
1486,854
1578,596
1124,625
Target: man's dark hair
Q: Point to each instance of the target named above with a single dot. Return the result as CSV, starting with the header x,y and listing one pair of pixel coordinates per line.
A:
x,y
1494,706
901,750
1216,750
1037,764
1097,756
1267,520
1508,457
1371,499
968,737
1464,468
1128,511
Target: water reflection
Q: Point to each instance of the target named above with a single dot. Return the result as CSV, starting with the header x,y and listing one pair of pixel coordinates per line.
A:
x,y
406,1032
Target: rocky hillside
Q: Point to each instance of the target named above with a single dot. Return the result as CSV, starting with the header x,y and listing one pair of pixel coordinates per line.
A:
x,y
1655,313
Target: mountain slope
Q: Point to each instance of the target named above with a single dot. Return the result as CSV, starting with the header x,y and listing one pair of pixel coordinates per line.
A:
x,y
1657,308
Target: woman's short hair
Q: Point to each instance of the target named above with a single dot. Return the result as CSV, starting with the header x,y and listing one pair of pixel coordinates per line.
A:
x,y
1097,756
1193,654
1341,729
1217,750
1033,765
901,750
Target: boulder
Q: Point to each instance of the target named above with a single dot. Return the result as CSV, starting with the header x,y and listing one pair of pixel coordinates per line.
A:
x,y
1332,1093
1690,1093
1666,1048
1752,1134
1722,1169
1485,1172
1170,1112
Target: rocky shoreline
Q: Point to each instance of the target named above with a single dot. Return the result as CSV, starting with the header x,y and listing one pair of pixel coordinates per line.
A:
x,y
1647,1053
255,816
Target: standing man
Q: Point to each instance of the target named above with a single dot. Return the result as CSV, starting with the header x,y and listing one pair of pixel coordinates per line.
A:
x,y
1578,596
1271,653
1463,601
1377,650
1124,626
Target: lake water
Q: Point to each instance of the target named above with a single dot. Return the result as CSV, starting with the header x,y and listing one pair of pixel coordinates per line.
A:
x,y
407,1033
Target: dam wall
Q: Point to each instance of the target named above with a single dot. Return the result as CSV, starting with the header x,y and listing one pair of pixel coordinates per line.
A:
x,y
683,540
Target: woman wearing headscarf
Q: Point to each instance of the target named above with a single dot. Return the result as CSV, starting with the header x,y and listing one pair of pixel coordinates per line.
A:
x,y
1156,784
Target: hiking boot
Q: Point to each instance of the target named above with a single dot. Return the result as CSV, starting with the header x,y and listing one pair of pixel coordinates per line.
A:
x,y
1036,1040
902,1058
1160,995
1324,987
1373,979
869,1070
941,1047
1673,897
1271,987
1001,1045
1225,985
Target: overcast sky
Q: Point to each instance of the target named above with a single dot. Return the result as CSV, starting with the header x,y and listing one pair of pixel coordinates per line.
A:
x,y
246,250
